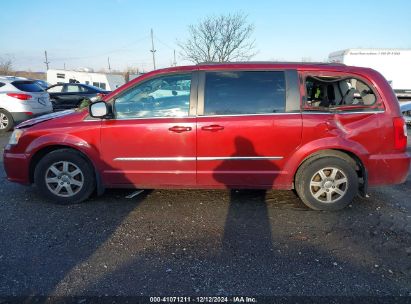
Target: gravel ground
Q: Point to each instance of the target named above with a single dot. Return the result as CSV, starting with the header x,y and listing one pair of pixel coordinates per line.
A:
x,y
179,242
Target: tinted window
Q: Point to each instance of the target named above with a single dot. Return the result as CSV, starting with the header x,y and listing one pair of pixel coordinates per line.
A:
x,y
244,93
55,89
1,84
167,96
27,86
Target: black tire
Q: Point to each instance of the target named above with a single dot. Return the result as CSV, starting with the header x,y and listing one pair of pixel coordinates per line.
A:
x,y
6,121
309,172
59,158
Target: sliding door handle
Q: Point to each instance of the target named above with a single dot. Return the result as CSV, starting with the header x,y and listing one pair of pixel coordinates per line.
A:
x,y
212,128
180,129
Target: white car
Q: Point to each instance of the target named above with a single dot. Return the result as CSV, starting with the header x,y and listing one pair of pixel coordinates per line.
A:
x,y
21,99
406,111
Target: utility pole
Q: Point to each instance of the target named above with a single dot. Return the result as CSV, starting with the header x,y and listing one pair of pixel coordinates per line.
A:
x,y
108,61
175,61
64,65
46,62
152,49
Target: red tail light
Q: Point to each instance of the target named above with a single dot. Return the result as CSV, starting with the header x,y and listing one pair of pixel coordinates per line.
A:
x,y
400,133
19,96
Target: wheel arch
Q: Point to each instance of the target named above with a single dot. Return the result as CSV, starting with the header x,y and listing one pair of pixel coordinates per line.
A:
x,y
346,155
39,154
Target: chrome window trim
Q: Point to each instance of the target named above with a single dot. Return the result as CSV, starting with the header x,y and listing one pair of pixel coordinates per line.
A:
x,y
343,113
206,158
201,116
154,117
240,115
259,114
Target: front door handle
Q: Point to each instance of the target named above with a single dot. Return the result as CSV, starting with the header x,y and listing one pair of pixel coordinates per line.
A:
x,y
212,128
179,129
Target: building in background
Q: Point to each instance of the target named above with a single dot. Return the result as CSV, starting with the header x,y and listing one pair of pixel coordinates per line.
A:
x,y
104,81
393,64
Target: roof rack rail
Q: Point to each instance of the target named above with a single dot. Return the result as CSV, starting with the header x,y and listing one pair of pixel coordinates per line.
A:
x,y
270,62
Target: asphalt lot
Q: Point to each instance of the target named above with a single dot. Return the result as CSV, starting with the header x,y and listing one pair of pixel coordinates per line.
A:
x,y
179,242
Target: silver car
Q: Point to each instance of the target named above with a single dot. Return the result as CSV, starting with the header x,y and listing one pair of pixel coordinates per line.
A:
x,y
406,111
21,99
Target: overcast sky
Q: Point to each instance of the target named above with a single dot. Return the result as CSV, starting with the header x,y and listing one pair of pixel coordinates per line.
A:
x,y
83,33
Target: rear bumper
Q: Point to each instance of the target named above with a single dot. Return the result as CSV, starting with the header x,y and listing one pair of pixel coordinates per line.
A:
x,y
16,167
388,169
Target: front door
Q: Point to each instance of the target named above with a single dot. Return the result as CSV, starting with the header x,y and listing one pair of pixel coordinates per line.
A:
x,y
151,142
246,131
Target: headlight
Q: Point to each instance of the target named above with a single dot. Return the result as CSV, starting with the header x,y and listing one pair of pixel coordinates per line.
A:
x,y
15,136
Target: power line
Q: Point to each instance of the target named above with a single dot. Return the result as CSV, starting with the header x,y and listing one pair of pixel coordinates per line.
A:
x,y
163,43
124,48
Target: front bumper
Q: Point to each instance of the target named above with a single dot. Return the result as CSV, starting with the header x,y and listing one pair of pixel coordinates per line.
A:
x,y
16,166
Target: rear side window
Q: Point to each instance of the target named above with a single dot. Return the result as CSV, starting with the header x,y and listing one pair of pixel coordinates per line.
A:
x,y
249,92
71,88
27,86
2,84
339,93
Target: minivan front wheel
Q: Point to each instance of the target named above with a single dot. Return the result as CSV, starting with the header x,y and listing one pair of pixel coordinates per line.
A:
x,y
64,176
6,121
328,183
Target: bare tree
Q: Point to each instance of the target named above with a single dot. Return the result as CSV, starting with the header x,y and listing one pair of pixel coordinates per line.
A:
x,y
6,66
219,39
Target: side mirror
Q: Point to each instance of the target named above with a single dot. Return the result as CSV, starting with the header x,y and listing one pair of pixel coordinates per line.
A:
x,y
99,109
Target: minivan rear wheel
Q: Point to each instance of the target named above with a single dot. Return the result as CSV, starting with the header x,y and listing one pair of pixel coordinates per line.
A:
x,y
328,183
65,177
6,121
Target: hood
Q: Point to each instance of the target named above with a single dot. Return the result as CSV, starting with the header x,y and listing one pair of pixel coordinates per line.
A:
x,y
42,118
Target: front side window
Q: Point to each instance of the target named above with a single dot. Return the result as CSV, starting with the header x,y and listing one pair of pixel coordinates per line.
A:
x,y
55,89
249,92
338,93
166,96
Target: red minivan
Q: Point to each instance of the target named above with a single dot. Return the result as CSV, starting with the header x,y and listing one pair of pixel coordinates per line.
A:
x,y
326,130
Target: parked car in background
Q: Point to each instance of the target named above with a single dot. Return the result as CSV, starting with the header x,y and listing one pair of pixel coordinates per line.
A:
x,y
327,131
21,99
406,111
70,95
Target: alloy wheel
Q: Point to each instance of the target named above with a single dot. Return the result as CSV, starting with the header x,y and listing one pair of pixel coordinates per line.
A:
x,y
328,185
64,179
4,121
